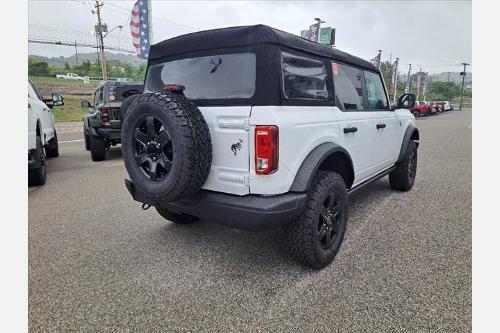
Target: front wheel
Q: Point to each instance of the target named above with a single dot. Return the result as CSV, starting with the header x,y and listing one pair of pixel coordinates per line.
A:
x,y
403,177
315,237
416,113
53,146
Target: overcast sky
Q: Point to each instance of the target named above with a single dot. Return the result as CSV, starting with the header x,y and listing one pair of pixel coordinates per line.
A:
x,y
434,34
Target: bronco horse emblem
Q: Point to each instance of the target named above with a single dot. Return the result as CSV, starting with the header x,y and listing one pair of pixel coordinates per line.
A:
x,y
236,146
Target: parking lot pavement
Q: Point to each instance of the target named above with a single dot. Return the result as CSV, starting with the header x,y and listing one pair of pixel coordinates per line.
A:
x,y
98,262
69,131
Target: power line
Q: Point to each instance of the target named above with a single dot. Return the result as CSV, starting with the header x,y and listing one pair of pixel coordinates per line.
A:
x,y
68,43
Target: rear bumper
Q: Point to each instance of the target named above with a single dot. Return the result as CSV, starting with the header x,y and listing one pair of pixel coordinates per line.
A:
x,y
250,212
107,133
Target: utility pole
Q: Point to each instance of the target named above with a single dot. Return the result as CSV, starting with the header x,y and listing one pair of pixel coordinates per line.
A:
x,y
424,92
463,83
100,37
395,79
418,83
76,54
408,80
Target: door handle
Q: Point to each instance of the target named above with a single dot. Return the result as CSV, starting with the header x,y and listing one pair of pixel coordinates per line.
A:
x,y
350,129
379,126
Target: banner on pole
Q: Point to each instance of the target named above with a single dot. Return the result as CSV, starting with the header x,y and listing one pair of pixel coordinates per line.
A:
x,y
140,28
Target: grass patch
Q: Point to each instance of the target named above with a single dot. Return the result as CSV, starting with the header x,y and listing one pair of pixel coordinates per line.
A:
x,y
71,110
43,79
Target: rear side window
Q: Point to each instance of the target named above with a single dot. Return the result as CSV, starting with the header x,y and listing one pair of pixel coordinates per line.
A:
x,y
375,92
98,96
348,87
303,78
226,76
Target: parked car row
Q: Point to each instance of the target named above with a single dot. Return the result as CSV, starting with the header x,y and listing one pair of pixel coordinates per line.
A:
x,y
424,109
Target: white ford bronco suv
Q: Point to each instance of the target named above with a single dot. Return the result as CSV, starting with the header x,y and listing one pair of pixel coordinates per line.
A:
x,y
256,128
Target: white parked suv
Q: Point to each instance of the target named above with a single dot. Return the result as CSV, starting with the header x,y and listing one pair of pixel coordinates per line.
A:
x,y
42,135
257,128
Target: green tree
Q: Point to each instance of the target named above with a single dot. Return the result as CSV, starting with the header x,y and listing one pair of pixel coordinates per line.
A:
x,y
37,68
66,66
443,91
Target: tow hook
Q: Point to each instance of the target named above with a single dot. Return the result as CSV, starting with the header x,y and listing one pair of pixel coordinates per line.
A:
x,y
145,206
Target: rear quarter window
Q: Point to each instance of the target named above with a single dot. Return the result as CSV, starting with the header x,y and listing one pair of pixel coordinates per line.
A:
x,y
303,78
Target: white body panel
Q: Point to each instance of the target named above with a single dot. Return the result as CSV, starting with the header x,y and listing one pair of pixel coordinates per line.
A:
x,y
228,126
301,129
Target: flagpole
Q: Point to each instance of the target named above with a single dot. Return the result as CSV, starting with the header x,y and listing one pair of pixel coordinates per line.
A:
x,y
150,16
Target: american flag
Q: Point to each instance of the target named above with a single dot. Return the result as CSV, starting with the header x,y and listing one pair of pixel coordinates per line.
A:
x,y
139,28
376,61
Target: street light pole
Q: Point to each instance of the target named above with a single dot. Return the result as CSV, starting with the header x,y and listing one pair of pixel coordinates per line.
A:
x,y
463,83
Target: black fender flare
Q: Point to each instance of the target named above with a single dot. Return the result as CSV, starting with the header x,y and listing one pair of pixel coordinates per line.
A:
x,y
410,130
305,175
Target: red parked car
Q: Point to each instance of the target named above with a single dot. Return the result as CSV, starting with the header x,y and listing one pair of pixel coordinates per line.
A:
x,y
420,109
436,106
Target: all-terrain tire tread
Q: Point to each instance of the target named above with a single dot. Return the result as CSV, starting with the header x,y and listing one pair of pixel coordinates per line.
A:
x,y
300,236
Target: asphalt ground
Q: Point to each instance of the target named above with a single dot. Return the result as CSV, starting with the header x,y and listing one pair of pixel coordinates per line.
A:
x,y
97,262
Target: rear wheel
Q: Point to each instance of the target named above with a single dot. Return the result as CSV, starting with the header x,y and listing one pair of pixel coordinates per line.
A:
x,y
97,148
315,237
38,176
176,218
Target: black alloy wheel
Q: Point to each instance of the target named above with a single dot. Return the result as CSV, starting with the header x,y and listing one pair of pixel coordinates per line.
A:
x,y
153,148
329,221
412,166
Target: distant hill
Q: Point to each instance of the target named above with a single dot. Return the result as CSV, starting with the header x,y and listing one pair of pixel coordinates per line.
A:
x,y
71,60
454,77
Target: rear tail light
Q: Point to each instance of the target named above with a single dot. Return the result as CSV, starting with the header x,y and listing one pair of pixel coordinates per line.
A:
x,y
173,87
266,149
105,115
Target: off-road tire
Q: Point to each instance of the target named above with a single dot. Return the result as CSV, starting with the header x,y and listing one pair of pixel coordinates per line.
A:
x,y
86,139
38,176
191,146
97,147
126,104
302,233
403,177
176,218
53,146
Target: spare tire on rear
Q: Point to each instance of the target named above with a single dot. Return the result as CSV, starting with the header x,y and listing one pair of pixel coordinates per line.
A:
x,y
166,146
126,104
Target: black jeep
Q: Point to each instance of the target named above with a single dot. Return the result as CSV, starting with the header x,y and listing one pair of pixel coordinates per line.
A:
x,y
102,126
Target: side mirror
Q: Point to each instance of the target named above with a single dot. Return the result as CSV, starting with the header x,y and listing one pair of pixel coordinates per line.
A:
x,y
86,104
57,99
406,101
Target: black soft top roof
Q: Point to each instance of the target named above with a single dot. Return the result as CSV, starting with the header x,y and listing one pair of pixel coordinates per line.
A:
x,y
245,36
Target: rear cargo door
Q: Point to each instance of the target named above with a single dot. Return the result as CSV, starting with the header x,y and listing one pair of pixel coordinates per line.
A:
x,y
229,132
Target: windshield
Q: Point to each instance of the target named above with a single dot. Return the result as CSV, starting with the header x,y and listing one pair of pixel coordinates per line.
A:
x,y
213,77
